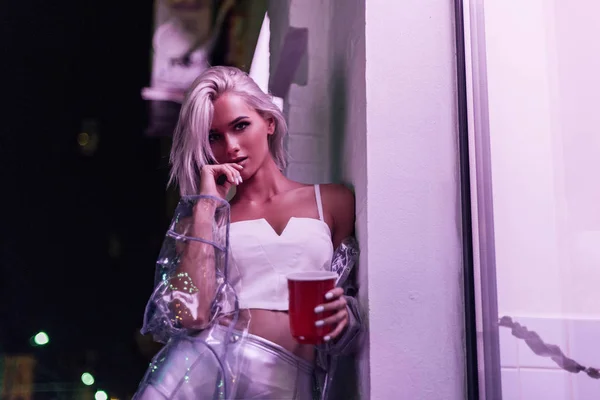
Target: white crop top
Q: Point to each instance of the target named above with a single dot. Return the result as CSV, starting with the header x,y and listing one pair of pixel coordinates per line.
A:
x,y
260,259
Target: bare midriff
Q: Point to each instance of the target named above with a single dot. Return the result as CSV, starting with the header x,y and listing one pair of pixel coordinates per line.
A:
x,y
275,327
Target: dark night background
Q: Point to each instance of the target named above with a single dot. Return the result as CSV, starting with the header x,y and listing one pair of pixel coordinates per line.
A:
x,y
80,233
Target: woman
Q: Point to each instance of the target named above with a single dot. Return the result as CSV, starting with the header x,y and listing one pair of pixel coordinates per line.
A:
x,y
228,278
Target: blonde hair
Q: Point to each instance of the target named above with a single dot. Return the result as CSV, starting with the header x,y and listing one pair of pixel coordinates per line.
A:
x,y
191,150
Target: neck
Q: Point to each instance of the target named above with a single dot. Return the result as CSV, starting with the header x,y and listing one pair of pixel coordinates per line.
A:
x,y
267,182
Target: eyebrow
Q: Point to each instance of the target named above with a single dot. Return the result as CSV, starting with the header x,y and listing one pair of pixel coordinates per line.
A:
x,y
238,119
235,121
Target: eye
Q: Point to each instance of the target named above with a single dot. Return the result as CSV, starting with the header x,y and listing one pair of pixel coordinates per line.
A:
x,y
240,126
213,137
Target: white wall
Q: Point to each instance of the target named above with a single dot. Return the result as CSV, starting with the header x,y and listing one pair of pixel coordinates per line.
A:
x,y
415,273
307,105
576,102
543,99
544,94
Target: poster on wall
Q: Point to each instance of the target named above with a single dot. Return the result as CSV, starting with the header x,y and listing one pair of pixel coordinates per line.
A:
x,y
189,36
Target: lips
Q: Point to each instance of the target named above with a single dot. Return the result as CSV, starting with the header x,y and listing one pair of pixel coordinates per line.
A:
x,y
239,160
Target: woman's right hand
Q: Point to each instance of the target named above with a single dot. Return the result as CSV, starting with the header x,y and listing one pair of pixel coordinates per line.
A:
x,y
211,177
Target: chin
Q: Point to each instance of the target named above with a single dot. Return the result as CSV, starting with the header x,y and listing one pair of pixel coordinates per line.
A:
x,y
247,174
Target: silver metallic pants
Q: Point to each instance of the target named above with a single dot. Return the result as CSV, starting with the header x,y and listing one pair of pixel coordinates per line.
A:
x,y
188,369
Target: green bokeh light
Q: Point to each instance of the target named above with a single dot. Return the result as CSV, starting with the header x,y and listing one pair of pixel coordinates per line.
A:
x,y
101,395
41,339
87,378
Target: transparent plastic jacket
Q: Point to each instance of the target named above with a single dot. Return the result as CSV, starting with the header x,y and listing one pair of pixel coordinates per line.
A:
x,y
194,310
174,306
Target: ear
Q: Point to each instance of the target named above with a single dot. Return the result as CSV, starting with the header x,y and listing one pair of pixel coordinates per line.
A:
x,y
270,125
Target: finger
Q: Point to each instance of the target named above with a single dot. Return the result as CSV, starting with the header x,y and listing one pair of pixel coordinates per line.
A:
x,y
337,331
334,319
236,174
334,293
332,305
237,166
229,172
216,171
226,169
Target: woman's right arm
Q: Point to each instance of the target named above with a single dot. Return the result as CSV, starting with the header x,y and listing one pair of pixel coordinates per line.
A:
x,y
198,254
197,263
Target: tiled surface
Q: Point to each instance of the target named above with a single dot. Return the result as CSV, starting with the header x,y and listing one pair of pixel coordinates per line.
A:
x,y
511,384
552,331
584,342
526,375
544,384
585,388
508,349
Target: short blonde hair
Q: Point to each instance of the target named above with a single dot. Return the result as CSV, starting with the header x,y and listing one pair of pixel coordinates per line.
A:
x,y
191,150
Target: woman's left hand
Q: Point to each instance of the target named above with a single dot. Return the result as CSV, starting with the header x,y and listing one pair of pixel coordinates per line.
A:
x,y
336,302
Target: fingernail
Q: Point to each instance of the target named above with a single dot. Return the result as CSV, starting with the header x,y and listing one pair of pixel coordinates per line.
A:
x,y
329,296
320,323
319,309
327,338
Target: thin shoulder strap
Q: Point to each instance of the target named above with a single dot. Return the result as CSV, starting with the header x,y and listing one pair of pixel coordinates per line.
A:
x,y
319,202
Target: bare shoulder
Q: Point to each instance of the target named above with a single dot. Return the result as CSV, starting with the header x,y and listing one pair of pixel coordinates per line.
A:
x,y
338,201
337,196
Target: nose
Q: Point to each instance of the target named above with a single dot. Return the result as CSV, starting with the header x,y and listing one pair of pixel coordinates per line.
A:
x,y
233,145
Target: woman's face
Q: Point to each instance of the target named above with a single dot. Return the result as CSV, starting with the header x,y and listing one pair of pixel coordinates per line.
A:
x,y
238,134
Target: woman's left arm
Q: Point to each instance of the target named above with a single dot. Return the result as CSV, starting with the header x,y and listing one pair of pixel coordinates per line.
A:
x,y
338,202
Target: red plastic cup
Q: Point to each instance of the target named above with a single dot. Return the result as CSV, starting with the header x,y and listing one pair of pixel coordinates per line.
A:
x,y
307,291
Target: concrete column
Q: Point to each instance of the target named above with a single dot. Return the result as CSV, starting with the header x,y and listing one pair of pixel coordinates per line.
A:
x,y
414,275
